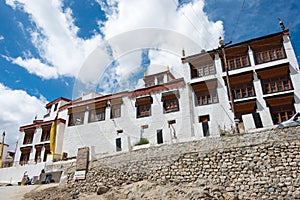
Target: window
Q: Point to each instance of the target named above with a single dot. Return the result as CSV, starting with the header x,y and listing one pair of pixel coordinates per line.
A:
x,y
202,70
269,55
76,115
170,101
76,118
206,97
206,70
159,136
205,93
281,114
115,108
115,111
118,144
47,151
24,158
37,158
45,133
273,85
171,105
243,91
205,126
238,62
143,106
97,114
160,80
55,106
144,110
28,138
48,112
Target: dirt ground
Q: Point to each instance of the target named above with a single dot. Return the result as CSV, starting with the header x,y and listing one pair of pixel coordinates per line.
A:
x,y
17,192
143,190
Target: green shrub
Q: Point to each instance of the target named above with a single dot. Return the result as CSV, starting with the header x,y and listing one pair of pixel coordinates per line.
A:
x,y
142,141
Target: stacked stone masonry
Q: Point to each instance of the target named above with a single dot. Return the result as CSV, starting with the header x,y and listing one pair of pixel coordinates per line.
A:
x,y
261,165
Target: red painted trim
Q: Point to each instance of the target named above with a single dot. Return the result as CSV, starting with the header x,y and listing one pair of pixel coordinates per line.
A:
x,y
56,100
77,103
143,91
157,88
60,120
41,123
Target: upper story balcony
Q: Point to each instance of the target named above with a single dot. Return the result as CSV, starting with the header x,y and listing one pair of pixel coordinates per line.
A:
x,y
275,79
242,86
238,62
204,70
243,91
277,84
268,55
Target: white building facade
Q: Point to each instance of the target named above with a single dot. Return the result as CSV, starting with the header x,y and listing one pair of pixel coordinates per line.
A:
x,y
264,80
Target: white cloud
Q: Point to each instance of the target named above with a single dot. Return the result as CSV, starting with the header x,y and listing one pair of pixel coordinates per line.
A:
x,y
173,28
63,53
189,19
161,25
35,66
55,38
1,37
18,108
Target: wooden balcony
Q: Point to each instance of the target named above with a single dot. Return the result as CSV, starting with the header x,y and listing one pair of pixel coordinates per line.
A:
x,y
238,62
269,55
243,91
202,71
274,85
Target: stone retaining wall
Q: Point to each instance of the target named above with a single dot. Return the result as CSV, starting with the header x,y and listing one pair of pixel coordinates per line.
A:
x,y
262,165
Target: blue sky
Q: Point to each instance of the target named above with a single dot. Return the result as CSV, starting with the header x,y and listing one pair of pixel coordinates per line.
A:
x,y
45,44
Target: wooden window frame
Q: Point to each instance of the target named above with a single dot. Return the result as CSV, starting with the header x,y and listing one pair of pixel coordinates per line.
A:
x,y
24,158
269,55
206,97
280,114
143,106
73,118
28,138
115,111
243,90
144,110
45,134
276,84
170,105
238,62
97,114
203,70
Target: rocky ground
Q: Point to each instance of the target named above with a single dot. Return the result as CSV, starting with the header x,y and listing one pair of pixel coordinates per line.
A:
x,y
140,190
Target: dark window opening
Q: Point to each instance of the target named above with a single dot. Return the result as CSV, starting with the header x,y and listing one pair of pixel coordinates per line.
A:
x,y
118,144
47,151
159,136
55,106
45,134
28,138
204,119
37,158
24,158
